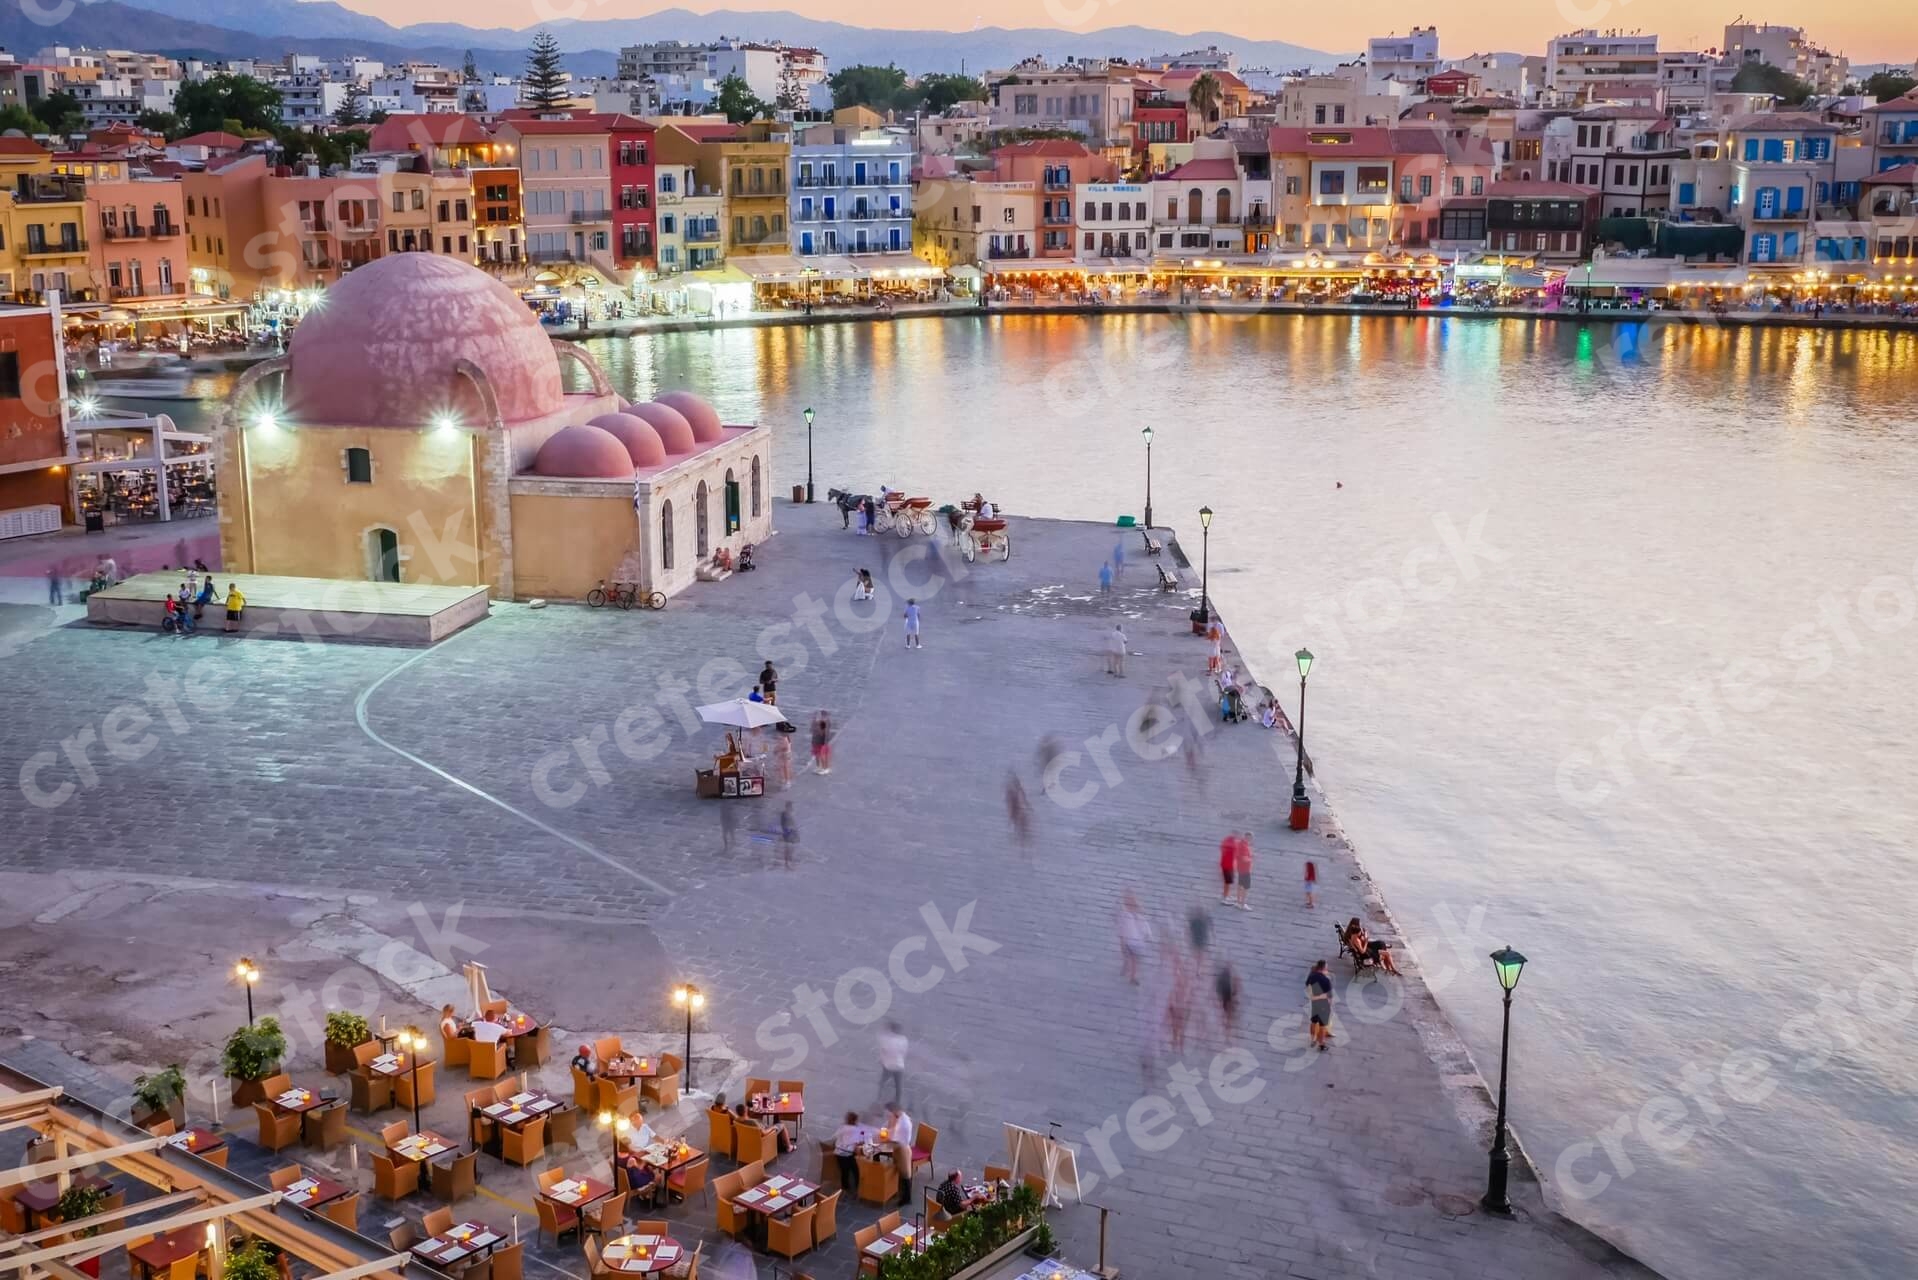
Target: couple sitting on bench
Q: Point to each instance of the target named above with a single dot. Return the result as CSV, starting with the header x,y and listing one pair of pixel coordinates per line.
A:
x,y
1366,953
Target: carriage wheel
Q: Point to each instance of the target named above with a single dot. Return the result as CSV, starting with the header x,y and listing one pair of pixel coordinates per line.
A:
x,y
970,548
1005,547
903,527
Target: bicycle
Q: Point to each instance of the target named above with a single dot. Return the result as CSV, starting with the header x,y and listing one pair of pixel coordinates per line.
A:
x,y
623,594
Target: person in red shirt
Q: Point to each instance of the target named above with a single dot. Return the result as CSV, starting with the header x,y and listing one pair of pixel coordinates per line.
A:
x,y
1228,863
1243,866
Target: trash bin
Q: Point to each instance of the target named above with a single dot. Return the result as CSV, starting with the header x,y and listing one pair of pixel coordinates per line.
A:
x,y
1301,812
96,521
1127,522
799,493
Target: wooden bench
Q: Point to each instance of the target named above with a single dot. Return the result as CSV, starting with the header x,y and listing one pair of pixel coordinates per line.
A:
x,y
1152,545
1360,960
1167,581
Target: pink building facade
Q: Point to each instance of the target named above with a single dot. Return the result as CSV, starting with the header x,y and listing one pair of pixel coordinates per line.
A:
x,y
138,238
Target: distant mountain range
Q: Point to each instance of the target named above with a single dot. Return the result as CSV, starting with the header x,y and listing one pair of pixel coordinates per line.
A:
x,y
268,28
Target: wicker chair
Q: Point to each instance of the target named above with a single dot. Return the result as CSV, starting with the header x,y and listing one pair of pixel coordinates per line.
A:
x,y
791,1235
455,1051
583,1093
509,1263
606,1048
394,1179
609,1095
756,1085
487,1061
556,1218
457,1179
276,1130
826,1223
878,1180
605,1219
562,1127
860,1239
281,1179
719,1132
690,1180
369,1093
403,1086
923,1139
326,1126
525,1145
436,1222
664,1087
750,1142
345,1211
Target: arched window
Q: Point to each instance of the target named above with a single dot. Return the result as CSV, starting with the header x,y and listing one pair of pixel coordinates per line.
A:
x,y
756,483
1195,206
666,535
383,555
700,536
1224,204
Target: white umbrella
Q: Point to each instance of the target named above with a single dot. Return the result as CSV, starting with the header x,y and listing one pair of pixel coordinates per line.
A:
x,y
742,713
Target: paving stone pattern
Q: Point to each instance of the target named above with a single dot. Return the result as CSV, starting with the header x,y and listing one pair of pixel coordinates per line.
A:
x,y
1350,1163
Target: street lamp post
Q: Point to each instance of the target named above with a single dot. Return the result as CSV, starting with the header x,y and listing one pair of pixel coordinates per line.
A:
x,y
1301,803
1205,564
617,1126
413,1040
689,998
1508,964
248,973
808,453
1147,433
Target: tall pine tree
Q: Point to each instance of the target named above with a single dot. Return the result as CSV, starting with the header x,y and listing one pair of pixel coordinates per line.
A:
x,y
543,87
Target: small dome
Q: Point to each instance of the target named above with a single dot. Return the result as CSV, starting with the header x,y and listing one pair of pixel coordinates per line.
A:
x,y
584,452
637,434
674,430
699,415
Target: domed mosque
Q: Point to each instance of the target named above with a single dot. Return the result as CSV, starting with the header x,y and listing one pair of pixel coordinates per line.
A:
x,y
419,428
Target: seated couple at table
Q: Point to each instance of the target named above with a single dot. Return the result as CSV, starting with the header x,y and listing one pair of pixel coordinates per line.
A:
x,y
645,1180
479,1029
762,1123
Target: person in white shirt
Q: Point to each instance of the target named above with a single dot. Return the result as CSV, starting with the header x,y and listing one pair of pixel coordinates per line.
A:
x,y
985,510
642,1135
1135,937
900,1129
892,1061
487,1032
845,1146
449,1022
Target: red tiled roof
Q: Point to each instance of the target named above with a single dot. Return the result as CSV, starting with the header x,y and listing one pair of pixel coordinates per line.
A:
x,y
164,168
214,139
20,147
1770,120
1906,101
412,131
1211,169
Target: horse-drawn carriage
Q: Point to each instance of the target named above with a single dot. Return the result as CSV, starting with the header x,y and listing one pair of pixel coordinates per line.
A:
x,y
980,537
904,515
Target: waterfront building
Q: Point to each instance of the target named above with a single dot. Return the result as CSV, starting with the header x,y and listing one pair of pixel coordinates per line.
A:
x,y
1253,150
1407,59
45,245
1891,130
1114,221
1196,207
974,223
851,190
1549,221
138,234
1624,153
458,147
226,226
566,191
689,218
498,220
419,429
747,164
1054,166
1768,173
1589,66
631,150
36,451
427,210
1336,189
1429,167
1157,121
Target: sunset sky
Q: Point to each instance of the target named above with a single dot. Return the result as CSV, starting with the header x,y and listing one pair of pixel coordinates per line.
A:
x,y
1866,30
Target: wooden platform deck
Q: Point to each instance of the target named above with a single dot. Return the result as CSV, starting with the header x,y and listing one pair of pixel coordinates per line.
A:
x,y
304,608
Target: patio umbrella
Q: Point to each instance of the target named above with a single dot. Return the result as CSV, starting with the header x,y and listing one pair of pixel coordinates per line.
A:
x,y
742,713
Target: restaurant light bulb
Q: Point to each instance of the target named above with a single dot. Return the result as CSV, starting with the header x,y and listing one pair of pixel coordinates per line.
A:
x,y
605,1119
698,1000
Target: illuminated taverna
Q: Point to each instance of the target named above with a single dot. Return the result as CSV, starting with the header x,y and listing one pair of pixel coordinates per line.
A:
x,y
420,429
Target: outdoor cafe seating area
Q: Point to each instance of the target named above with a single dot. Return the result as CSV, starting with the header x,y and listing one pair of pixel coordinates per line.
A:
x,y
473,1154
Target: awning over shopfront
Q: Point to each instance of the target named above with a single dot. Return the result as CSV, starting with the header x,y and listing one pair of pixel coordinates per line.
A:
x,y
1117,266
966,272
1035,267
902,266
724,273
771,268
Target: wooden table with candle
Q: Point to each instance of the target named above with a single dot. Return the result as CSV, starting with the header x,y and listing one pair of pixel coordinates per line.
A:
x,y
312,1192
523,1107
161,1252
200,1142
466,1243
630,1068
298,1100
640,1255
577,1193
420,1147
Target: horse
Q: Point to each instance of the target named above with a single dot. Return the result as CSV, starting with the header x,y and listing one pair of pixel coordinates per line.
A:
x,y
847,503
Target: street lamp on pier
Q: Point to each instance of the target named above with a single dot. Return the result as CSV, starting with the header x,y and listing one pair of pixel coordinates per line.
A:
x,y
1508,964
1205,564
617,1126
808,453
689,998
1301,803
248,973
1147,433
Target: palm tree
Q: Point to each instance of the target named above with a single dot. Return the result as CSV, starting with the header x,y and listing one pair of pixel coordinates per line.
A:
x,y
1205,96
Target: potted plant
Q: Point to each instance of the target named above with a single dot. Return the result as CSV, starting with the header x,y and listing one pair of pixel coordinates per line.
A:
x,y
345,1032
1042,1245
160,1096
250,1262
252,1054
78,1202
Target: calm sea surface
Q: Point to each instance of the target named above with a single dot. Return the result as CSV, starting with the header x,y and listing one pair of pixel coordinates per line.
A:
x,y
1618,663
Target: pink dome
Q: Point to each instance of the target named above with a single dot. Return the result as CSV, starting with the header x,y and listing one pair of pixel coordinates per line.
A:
x,y
673,429
584,452
699,415
641,441
380,349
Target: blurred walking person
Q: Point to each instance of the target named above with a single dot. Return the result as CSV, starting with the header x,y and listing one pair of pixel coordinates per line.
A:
x,y
1311,882
1018,811
1135,937
1242,866
822,742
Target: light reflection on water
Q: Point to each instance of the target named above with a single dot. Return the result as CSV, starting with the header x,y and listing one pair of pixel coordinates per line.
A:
x,y
1668,499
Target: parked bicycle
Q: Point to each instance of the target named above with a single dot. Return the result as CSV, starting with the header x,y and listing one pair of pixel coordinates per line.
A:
x,y
625,595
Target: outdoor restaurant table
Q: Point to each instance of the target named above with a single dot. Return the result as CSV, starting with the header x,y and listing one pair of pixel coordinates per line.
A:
x,y
298,1100
41,1198
640,1254
420,1147
389,1065
312,1192
785,1108
162,1252
903,1238
467,1241
197,1141
577,1193
630,1068
524,1106
777,1194
670,1157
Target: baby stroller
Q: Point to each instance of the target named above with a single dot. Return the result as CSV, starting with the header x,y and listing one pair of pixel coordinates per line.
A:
x,y
745,562
1232,705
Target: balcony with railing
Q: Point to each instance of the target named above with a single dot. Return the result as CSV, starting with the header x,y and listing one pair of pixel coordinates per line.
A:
x,y
126,231
49,188
1009,251
164,230
119,293
590,215
57,249
701,235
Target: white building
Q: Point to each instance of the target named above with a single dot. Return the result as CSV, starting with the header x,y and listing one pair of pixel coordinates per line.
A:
x,y
1502,75
957,129
308,98
851,191
1115,220
1588,66
757,64
1407,59
1787,49
1342,98
1197,207
687,219
665,58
